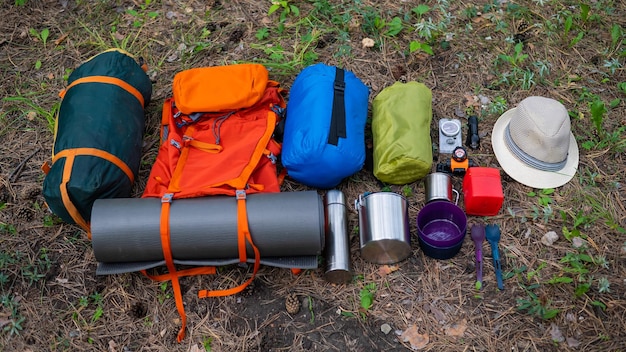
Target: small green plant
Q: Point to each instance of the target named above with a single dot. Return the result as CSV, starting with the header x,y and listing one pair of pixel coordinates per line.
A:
x,y
418,46
262,33
286,8
497,106
517,58
163,295
528,79
7,229
98,300
576,39
598,110
366,296
41,36
284,62
29,107
394,27
206,343
407,191
142,16
84,302
420,10
542,67
613,65
543,196
536,306
427,29
604,286
310,307
544,211
617,33
15,320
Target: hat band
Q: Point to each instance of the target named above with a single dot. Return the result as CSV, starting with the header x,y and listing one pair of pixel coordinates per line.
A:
x,y
528,159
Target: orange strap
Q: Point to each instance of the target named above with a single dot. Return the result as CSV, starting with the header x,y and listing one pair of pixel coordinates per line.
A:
x,y
204,146
243,232
65,197
166,202
107,80
180,164
70,155
204,270
259,149
99,153
165,119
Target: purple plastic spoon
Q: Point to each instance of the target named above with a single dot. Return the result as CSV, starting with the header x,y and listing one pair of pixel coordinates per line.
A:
x,y
477,234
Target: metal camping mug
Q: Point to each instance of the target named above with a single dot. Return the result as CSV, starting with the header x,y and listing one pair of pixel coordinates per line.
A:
x,y
438,186
383,227
338,268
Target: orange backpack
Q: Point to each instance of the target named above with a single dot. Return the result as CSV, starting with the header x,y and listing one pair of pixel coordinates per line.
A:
x,y
216,139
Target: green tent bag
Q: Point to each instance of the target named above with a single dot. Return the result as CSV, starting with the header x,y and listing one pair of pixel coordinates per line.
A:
x,y
98,135
401,117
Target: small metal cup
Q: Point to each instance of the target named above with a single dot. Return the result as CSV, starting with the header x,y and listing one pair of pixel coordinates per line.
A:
x,y
338,269
438,186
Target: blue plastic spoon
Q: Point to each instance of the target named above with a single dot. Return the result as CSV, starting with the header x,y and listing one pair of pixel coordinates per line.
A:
x,y
492,234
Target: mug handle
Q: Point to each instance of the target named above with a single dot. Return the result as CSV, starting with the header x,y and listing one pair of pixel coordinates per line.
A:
x,y
456,201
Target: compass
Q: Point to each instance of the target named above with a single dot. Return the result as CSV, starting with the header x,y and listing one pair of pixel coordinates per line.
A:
x,y
449,135
450,128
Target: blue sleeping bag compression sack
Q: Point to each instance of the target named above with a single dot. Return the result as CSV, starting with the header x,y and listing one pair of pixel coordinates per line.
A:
x,y
323,140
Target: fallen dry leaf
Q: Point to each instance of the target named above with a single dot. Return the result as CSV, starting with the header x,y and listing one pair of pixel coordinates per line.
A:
x,y
61,39
572,342
195,348
556,334
457,329
437,313
112,346
118,36
367,42
412,336
385,270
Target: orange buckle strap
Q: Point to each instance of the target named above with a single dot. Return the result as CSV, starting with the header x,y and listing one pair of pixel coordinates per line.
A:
x,y
107,80
243,236
70,155
166,202
242,227
204,270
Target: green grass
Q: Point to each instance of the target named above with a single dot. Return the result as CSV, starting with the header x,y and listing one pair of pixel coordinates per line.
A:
x,y
27,107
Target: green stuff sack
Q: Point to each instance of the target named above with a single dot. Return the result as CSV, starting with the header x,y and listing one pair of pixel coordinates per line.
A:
x,y
98,135
401,117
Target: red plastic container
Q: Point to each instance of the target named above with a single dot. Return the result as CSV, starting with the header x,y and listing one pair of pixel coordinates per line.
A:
x,y
482,191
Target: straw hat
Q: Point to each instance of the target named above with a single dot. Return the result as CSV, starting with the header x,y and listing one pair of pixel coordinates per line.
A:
x,y
534,143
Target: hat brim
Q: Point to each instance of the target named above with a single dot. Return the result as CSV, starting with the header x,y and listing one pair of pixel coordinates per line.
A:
x,y
523,173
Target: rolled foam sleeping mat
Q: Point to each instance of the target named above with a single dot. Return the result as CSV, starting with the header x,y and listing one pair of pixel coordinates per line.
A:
x,y
285,224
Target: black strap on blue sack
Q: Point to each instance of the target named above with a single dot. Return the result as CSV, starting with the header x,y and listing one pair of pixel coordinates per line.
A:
x,y
338,117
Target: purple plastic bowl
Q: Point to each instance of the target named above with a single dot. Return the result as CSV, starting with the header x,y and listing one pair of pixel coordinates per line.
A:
x,y
439,252
441,224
